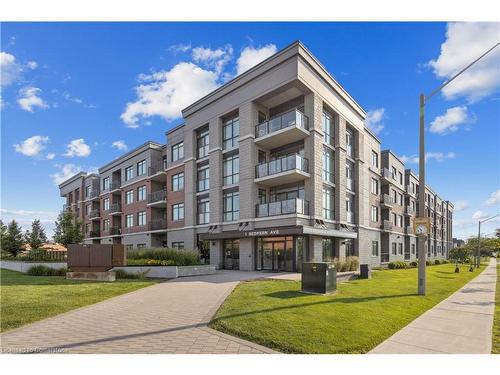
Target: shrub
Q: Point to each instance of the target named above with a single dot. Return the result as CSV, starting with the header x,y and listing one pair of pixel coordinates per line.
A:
x,y
437,262
428,263
414,264
350,264
397,265
41,270
173,257
149,262
122,274
444,261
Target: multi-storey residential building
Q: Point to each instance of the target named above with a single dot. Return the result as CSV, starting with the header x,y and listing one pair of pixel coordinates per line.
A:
x,y
273,168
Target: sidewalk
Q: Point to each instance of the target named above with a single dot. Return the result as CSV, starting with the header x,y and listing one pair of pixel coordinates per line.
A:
x,y
460,324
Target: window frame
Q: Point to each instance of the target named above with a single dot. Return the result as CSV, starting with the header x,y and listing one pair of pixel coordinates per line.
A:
x,y
129,173
129,194
232,197
177,151
176,181
141,219
177,209
141,189
234,177
232,124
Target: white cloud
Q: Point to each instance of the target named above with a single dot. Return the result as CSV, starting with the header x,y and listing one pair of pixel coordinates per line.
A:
x,y
77,147
437,156
466,41
166,93
460,205
10,70
32,146
50,156
251,56
29,99
494,198
479,215
179,48
120,145
374,120
451,120
70,98
213,58
66,171
32,65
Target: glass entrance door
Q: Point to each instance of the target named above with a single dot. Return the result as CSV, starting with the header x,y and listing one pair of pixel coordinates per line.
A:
x,y
279,256
275,254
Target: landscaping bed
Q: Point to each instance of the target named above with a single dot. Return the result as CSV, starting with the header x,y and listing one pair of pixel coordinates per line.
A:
x,y
495,347
359,316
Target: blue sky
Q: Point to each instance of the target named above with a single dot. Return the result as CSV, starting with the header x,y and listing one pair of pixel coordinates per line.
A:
x,y
70,93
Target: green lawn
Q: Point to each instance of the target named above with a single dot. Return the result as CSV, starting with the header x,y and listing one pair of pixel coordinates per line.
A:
x,y
26,299
495,349
362,313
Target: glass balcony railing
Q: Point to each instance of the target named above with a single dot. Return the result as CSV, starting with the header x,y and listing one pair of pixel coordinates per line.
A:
x,y
285,120
285,207
282,165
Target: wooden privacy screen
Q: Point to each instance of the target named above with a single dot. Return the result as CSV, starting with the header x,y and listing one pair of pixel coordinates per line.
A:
x,y
96,257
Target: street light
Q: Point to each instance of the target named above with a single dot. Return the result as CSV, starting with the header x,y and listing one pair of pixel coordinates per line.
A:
x,y
421,178
478,255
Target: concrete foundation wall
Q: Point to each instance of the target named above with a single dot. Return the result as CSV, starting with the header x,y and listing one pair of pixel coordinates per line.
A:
x,y
25,266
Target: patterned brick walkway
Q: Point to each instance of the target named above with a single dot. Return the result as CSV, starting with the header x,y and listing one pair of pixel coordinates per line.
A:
x,y
169,317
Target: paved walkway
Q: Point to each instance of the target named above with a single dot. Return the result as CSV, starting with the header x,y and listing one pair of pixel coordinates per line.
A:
x,y
169,317
461,324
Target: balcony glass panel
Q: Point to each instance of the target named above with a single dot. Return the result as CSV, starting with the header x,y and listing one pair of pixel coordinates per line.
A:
x,y
282,165
285,120
284,207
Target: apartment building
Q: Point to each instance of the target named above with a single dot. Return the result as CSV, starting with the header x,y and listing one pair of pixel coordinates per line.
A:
x,y
273,168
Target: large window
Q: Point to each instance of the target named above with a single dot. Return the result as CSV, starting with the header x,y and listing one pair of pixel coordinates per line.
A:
x,y
349,173
105,225
178,211
129,173
203,211
178,245
375,248
374,214
413,248
129,220
328,249
231,170
178,151
374,186
203,178
400,248
203,142
88,189
141,168
349,248
141,218
129,197
328,128
105,183
328,202
374,159
178,181
393,248
231,206
349,207
328,165
231,133
349,143
141,193
105,204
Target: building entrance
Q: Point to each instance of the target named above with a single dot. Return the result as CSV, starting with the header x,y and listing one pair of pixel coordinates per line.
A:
x,y
276,254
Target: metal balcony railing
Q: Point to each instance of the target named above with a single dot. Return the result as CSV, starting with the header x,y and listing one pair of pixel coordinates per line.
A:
x,y
287,163
114,231
387,225
157,196
157,168
285,120
115,207
95,233
409,229
157,224
387,199
410,211
94,214
386,173
285,207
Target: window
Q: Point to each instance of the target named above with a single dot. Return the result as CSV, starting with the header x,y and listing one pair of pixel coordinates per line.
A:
x,y
105,204
394,248
400,196
178,181
349,140
394,196
203,211
400,177
328,165
328,202
374,214
328,129
105,225
375,248
141,245
413,187
349,207
178,151
349,170
374,186
231,206
105,183
328,249
129,247
129,220
129,197
203,141
141,168
87,209
178,245
231,170
394,219
400,221
88,189
394,173
141,218
231,133
400,248
87,228
141,193
178,211
374,159
129,173
262,196
413,248
203,178
349,248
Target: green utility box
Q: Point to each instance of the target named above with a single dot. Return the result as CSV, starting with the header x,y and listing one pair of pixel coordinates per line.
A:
x,y
319,277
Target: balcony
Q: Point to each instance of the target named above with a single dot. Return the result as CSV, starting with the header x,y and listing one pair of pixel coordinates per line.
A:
x,y
113,187
93,194
286,207
293,168
95,215
115,231
387,201
157,171
157,224
284,129
409,190
94,233
387,225
409,211
115,209
386,174
158,198
409,230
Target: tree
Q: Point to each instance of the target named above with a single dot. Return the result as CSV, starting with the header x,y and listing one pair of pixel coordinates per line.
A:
x,y
68,229
36,237
460,255
497,233
3,235
14,240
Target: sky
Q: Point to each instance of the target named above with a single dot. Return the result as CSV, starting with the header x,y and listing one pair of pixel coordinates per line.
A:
x,y
76,95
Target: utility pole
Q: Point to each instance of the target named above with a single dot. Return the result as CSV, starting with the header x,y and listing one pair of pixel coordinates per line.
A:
x,y
422,214
478,253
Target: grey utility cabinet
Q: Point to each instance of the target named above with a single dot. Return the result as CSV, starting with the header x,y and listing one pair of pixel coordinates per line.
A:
x,y
319,277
